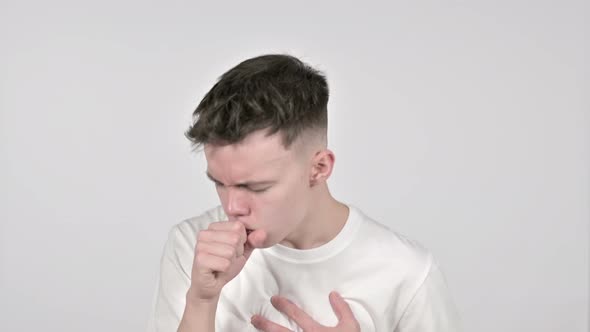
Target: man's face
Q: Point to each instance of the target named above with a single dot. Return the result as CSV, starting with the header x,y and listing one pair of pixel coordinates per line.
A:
x,y
260,184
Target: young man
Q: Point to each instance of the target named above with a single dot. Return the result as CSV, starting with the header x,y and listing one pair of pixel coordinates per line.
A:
x,y
280,253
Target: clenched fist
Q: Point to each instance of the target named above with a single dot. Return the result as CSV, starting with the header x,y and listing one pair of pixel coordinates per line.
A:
x,y
220,254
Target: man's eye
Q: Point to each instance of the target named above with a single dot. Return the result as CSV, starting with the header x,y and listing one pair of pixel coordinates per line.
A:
x,y
217,184
254,190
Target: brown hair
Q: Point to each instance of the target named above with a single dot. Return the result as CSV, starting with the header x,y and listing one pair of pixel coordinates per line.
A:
x,y
277,92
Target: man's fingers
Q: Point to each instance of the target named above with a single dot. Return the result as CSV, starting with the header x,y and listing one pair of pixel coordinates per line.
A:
x,y
341,308
226,226
230,226
265,325
219,249
346,319
231,238
213,263
292,311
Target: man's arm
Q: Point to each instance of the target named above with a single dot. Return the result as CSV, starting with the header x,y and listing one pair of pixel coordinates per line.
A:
x,y
175,294
198,316
192,291
432,308
173,282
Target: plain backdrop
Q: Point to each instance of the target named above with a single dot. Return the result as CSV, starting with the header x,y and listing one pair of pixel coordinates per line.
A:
x,y
462,124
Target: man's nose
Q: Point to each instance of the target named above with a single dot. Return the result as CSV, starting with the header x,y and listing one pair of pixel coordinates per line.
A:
x,y
236,203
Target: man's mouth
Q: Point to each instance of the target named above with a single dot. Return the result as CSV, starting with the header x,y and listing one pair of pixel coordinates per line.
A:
x,y
248,231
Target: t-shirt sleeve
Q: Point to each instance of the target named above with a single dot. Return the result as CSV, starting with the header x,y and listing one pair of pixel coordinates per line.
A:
x,y
172,285
432,308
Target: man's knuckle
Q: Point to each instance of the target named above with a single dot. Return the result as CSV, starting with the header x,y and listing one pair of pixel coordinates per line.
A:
x,y
228,252
295,314
200,246
202,235
214,225
235,239
201,256
225,264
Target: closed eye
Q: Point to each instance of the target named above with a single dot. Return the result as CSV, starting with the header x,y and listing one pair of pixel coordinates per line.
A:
x,y
254,190
217,184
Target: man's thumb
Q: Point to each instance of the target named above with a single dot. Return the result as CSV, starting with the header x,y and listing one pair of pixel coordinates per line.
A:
x,y
255,240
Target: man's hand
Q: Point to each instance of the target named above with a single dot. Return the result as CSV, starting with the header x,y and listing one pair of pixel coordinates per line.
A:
x,y
220,254
346,320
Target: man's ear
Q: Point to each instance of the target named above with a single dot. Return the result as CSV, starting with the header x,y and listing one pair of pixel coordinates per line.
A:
x,y
322,165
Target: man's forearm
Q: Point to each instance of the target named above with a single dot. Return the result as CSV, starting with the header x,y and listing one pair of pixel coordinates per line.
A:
x,y
198,316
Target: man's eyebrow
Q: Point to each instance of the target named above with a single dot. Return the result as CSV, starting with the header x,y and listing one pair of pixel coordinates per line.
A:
x,y
245,184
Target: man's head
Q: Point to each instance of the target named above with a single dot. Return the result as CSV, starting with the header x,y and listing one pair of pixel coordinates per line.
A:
x,y
275,92
263,127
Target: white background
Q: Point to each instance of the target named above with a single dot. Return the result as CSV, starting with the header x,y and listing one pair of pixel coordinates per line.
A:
x,y
462,124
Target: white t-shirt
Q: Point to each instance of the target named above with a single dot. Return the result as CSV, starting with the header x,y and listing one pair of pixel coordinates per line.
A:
x,y
391,283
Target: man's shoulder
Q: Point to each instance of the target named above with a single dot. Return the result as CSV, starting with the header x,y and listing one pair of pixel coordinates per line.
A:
x,y
184,233
196,223
393,247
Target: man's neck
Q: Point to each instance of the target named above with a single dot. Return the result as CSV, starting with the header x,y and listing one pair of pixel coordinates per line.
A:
x,y
324,221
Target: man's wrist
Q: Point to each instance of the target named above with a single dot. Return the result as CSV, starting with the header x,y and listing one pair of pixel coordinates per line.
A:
x,y
199,315
194,299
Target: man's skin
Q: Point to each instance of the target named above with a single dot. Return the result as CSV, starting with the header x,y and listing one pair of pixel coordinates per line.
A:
x,y
271,195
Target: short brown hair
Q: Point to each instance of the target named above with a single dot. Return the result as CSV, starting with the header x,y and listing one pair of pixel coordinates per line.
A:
x,y
277,92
